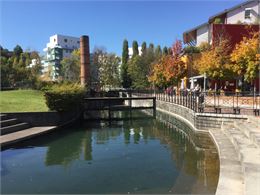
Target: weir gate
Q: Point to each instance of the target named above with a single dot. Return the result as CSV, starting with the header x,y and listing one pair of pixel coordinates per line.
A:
x,y
110,104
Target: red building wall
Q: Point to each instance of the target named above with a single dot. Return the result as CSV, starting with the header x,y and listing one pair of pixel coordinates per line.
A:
x,y
235,33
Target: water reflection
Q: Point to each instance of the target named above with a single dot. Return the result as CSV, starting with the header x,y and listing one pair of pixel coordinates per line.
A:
x,y
66,150
128,148
193,158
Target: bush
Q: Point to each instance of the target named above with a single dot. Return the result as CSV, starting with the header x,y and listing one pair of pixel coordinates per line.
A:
x,y
65,97
43,85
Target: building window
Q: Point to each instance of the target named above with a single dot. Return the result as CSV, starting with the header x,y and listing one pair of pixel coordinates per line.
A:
x,y
65,40
54,40
247,13
78,42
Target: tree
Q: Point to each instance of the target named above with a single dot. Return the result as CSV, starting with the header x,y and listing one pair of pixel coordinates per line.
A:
x,y
158,52
98,52
125,78
70,67
151,47
18,50
165,51
245,57
135,48
215,62
108,67
125,55
170,68
14,70
138,70
157,76
150,56
144,50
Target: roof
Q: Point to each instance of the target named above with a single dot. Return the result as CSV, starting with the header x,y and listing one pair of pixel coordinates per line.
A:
x,y
191,33
197,27
232,8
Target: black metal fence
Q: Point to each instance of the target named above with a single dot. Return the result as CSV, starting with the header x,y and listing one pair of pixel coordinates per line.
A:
x,y
209,102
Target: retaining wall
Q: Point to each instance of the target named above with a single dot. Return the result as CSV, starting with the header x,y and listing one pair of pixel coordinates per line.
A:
x,y
200,121
44,118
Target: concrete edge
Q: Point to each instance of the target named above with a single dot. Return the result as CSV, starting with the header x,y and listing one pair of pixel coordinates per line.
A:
x,y
226,184
64,124
184,120
9,143
232,116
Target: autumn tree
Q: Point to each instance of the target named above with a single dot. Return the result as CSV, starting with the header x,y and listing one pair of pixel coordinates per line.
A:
x,y
176,69
170,68
215,62
157,76
245,57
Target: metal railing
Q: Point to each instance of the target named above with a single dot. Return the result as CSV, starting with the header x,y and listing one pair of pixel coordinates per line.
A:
x,y
209,102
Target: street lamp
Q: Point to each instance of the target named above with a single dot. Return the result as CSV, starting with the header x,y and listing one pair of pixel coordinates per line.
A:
x,y
204,84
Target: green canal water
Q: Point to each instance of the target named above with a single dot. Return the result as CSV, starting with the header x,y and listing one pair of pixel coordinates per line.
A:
x,y
145,156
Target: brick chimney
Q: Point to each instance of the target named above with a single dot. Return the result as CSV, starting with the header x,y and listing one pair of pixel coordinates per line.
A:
x,y
84,61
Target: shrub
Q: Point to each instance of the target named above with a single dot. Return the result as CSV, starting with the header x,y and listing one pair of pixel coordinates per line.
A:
x,y
43,85
65,97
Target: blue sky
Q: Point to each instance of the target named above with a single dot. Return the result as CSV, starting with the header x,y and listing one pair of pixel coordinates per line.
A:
x,y
31,23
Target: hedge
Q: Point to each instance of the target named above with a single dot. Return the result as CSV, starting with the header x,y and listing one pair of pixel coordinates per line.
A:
x,y
64,97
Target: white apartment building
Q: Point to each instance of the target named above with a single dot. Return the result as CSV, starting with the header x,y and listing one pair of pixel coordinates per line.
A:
x,y
243,13
130,51
59,47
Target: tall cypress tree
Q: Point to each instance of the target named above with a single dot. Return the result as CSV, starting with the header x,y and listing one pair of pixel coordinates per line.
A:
x,y
165,50
125,78
158,52
135,48
125,55
18,50
151,48
143,48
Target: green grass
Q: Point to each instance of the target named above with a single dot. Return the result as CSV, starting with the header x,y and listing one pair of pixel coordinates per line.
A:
x,y
22,101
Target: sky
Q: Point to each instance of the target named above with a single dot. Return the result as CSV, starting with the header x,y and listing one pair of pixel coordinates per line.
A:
x,y
107,23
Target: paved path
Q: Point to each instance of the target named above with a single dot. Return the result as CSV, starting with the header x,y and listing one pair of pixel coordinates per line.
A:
x,y
230,170
24,134
239,153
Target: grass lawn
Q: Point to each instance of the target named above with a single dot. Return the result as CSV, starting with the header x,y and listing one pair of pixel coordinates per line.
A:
x,y
22,101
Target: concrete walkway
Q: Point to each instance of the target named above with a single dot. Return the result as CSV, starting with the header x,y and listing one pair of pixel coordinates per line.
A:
x,y
239,153
24,134
230,171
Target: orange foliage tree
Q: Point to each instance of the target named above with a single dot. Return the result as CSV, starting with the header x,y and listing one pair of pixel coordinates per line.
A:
x,y
215,61
246,57
170,68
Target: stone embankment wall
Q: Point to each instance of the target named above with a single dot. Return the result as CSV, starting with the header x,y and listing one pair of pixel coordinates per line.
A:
x,y
199,121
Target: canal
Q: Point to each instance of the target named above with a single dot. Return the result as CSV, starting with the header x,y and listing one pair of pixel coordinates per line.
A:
x,y
143,156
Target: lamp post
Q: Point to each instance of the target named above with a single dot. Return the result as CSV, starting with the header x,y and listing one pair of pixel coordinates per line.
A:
x,y
204,84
